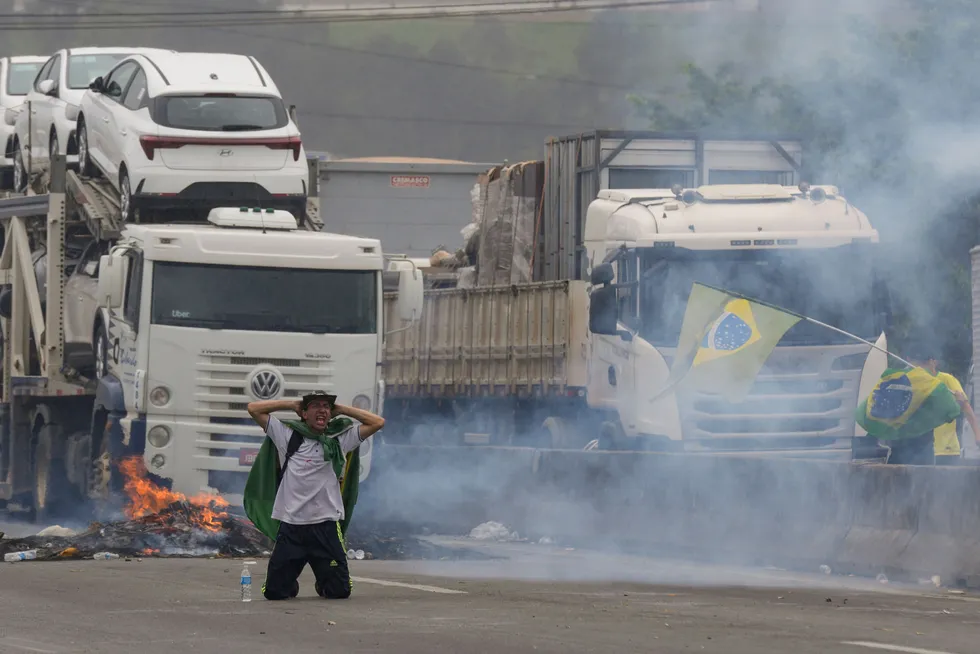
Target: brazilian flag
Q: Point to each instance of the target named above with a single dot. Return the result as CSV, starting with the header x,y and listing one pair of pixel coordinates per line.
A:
x,y
725,340
905,404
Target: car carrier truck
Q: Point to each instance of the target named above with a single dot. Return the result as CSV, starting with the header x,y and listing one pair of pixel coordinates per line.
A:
x,y
150,339
538,364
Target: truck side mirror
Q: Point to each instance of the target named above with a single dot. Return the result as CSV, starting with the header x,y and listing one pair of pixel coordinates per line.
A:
x,y
602,311
602,274
111,281
410,294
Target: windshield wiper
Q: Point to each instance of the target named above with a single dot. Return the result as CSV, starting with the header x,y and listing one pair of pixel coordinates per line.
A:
x,y
240,128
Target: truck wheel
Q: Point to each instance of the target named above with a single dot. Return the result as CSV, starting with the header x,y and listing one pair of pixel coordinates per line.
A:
x,y
560,434
611,436
101,352
50,487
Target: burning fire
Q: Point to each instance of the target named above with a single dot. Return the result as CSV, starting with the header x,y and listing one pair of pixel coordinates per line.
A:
x,y
146,498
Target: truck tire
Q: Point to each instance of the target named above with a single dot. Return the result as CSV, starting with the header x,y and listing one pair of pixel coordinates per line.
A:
x,y
51,491
611,436
561,434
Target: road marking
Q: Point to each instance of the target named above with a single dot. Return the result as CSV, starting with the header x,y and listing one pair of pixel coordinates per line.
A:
x,y
14,642
430,589
892,648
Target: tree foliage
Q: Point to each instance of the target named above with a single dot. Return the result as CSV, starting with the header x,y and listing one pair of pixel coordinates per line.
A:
x,y
890,119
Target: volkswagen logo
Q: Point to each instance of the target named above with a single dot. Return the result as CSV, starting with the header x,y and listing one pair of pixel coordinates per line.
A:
x,y
265,385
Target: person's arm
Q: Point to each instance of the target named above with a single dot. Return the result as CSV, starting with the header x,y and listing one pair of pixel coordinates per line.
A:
x,y
971,417
260,411
370,422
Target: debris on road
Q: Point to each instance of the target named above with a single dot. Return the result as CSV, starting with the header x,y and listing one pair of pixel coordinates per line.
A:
x,y
179,530
56,530
825,569
882,579
493,531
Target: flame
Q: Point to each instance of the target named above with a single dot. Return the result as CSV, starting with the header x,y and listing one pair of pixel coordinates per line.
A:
x,y
146,498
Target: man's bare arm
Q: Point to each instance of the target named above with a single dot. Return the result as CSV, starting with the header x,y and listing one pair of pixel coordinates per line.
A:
x,y
971,417
370,422
260,410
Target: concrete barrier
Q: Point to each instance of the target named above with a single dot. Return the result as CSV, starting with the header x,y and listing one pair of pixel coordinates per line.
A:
x,y
859,518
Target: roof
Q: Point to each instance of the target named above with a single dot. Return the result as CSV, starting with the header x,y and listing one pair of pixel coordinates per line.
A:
x,y
212,71
89,50
205,243
27,59
403,160
397,164
756,209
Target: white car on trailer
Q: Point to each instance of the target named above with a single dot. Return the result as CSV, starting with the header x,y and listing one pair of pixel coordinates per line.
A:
x,y
192,131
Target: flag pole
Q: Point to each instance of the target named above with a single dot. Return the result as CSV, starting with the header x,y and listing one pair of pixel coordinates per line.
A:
x,y
808,319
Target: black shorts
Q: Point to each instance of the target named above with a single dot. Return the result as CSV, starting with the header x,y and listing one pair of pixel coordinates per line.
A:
x,y
321,546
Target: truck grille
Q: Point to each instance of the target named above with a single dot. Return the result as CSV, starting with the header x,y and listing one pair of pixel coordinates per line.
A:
x,y
800,399
220,381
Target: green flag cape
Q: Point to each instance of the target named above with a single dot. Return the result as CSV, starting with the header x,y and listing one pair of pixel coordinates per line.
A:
x,y
261,487
905,404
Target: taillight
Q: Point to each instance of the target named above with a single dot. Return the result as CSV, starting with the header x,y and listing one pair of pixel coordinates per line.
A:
x,y
151,144
293,143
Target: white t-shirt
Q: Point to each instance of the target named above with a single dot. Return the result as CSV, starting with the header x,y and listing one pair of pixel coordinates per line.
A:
x,y
309,492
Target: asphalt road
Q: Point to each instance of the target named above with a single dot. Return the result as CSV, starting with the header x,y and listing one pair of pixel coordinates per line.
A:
x,y
599,603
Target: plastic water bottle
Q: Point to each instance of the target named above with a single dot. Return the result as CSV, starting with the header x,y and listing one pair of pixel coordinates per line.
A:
x,y
13,557
246,582
359,554
105,556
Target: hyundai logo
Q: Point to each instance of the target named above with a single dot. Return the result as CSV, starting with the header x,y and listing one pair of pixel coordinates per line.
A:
x,y
265,385
225,153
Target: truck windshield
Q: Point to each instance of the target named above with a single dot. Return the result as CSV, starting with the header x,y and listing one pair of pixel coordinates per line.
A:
x,y
20,77
833,285
256,298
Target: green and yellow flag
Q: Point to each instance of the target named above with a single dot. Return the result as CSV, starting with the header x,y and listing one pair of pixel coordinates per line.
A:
x,y
905,404
724,342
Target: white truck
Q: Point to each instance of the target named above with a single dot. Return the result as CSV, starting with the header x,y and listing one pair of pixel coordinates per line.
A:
x,y
540,364
154,339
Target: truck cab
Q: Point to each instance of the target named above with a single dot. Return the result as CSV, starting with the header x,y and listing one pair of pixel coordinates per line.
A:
x,y
803,248
203,319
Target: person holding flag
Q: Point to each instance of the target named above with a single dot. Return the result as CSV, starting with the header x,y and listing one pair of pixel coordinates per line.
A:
x,y
907,406
947,443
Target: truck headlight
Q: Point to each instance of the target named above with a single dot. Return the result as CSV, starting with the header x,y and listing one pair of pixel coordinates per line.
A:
x,y
158,461
159,396
362,402
159,436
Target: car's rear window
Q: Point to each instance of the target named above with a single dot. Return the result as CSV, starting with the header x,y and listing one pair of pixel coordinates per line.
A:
x,y
221,113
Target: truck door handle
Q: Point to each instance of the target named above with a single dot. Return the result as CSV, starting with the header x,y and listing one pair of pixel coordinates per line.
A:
x,y
105,119
123,132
